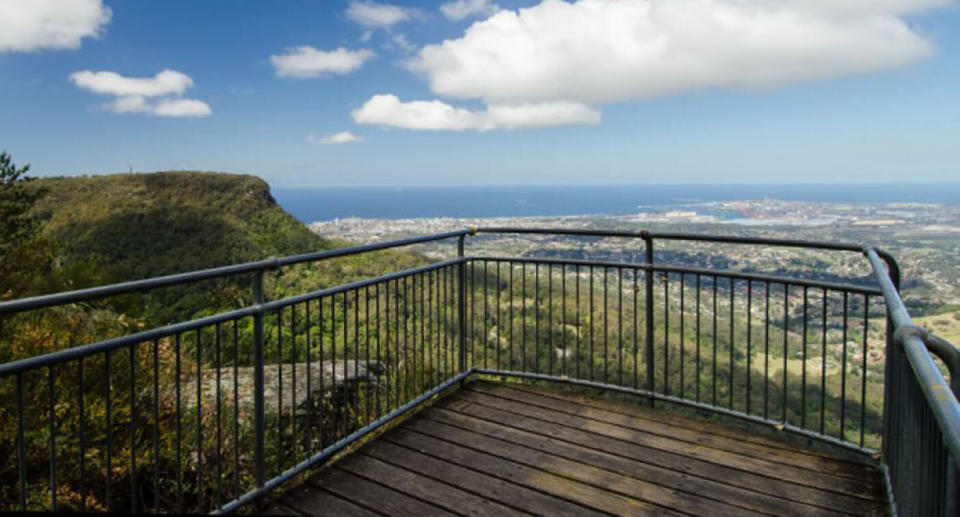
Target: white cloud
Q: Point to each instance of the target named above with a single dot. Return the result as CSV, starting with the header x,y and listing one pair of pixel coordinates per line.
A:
x,y
599,51
182,108
389,110
460,9
135,94
111,83
343,137
307,61
372,15
27,25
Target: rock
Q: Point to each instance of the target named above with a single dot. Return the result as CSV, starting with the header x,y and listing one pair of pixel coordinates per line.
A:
x,y
288,380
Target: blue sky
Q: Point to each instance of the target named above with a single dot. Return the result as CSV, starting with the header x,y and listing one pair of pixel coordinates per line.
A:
x,y
599,91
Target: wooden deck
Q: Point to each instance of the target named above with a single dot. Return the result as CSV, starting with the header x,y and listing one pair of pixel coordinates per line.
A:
x,y
512,449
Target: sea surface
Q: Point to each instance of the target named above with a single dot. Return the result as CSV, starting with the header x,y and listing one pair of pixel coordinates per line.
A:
x,y
322,204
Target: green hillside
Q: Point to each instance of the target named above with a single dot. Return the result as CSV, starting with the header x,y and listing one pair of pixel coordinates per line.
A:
x,y
140,225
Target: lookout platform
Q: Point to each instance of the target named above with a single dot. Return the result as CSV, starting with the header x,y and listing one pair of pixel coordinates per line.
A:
x,y
517,449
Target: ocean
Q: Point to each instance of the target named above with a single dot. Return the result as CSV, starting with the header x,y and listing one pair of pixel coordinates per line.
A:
x,y
322,204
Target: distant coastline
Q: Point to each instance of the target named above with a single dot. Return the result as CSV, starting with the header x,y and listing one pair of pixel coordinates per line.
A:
x,y
324,204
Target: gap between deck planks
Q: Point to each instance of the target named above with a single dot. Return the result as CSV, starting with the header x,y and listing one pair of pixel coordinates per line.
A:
x,y
517,449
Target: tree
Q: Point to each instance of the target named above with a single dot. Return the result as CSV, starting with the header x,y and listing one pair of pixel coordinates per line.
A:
x,y
24,254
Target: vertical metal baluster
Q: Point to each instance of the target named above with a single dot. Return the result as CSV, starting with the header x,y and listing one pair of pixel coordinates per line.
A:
x,y
108,436
579,322
648,322
280,449
843,373
863,371
486,313
620,326
199,427
590,309
440,332
236,408
386,335
423,336
823,362
749,336
606,325
714,336
407,324
431,299
766,350
512,325
323,374
219,430
803,370
536,317
179,431
259,359
550,319
345,340
498,323
523,316
697,387
786,334
732,339
563,317
83,436
356,357
133,429
682,331
666,333
336,407
53,438
293,382
308,439
376,393
156,426
636,331
21,447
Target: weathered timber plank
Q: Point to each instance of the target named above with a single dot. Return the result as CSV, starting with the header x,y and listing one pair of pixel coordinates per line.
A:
x,y
373,495
417,485
677,462
584,494
699,424
310,500
694,487
507,493
819,464
583,472
716,456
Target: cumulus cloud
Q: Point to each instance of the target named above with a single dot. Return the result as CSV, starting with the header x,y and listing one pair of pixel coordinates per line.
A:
x,y
343,137
27,25
460,9
389,110
307,61
158,95
372,15
599,51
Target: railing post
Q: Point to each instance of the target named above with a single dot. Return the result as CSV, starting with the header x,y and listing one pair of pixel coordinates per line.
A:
x,y
461,306
648,283
258,404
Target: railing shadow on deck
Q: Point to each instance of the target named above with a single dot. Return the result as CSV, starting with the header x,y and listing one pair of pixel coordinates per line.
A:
x,y
215,413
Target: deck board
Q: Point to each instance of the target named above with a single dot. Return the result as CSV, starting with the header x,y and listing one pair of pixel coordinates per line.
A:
x,y
517,449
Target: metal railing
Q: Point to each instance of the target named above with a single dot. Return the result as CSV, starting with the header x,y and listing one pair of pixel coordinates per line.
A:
x,y
162,420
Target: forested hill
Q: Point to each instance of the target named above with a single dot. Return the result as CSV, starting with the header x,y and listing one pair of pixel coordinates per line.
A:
x,y
131,226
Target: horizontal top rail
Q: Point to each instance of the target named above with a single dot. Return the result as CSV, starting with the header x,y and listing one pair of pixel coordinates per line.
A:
x,y
39,361
95,293
721,273
145,285
938,393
